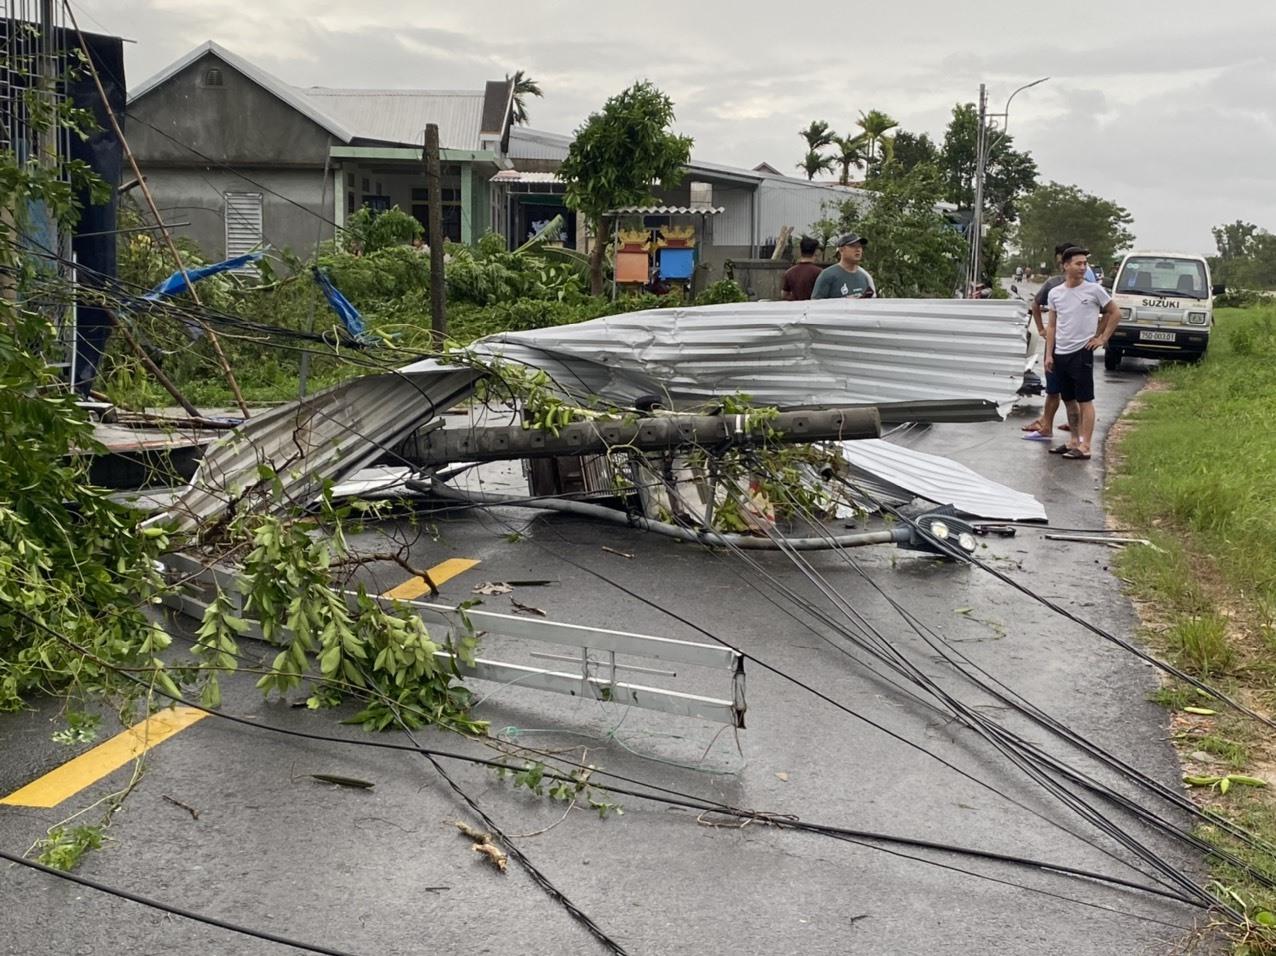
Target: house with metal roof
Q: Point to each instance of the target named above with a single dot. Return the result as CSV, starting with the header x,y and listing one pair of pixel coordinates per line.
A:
x,y
249,160
750,206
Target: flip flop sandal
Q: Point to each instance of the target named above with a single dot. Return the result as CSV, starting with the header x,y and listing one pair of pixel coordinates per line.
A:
x,y
1077,454
1060,449
1065,427
1030,427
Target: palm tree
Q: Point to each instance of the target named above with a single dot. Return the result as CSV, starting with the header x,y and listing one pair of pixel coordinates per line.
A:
x,y
817,136
815,163
524,86
851,152
876,125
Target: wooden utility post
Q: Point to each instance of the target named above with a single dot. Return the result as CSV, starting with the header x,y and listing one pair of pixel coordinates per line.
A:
x,y
434,189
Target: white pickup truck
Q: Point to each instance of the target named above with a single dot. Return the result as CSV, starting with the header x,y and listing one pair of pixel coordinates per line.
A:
x,y
1167,308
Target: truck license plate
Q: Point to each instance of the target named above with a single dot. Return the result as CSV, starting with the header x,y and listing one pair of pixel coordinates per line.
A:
x,y
1147,335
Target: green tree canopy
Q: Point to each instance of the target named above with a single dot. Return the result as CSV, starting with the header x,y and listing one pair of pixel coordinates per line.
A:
x,y
817,136
616,156
1010,174
814,162
851,151
1054,213
912,149
876,125
1246,256
524,86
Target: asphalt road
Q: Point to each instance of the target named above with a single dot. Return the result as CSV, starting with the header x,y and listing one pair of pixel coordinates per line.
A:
x,y
384,870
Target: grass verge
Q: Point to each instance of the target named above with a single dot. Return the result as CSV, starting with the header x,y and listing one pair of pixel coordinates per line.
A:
x,y
1193,466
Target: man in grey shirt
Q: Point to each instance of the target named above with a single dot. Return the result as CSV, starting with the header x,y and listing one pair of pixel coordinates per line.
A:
x,y
845,279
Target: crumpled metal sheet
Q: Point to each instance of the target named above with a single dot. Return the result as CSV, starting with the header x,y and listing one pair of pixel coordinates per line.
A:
x,y
323,437
903,473
915,359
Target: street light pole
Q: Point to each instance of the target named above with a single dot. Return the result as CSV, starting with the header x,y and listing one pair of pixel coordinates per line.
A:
x,y
982,150
977,214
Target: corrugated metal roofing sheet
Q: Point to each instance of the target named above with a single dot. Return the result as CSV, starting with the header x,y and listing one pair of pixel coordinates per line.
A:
x,y
537,144
328,435
916,359
518,176
893,468
669,210
400,116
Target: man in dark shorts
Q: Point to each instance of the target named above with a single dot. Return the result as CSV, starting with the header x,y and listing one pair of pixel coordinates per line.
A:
x,y
1043,428
799,279
1073,334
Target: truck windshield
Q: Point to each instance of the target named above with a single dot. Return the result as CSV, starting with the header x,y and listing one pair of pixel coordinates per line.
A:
x,y
1158,275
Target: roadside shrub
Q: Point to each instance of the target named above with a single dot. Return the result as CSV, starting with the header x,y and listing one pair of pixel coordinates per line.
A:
x,y
389,273
724,290
367,231
1240,299
1254,337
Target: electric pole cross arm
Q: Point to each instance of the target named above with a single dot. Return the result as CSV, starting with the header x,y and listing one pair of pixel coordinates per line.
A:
x,y
443,446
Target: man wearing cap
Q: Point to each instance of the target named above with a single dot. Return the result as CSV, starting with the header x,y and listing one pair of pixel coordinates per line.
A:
x,y
845,279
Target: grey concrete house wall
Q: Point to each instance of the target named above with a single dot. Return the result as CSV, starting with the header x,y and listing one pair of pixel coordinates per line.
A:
x,y
188,129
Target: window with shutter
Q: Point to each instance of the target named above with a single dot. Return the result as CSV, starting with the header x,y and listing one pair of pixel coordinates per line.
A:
x,y
243,223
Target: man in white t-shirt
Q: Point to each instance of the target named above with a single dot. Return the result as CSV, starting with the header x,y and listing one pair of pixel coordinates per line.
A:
x,y
1074,332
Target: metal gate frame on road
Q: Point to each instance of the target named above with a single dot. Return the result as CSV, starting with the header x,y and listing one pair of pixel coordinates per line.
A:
x,y
596,678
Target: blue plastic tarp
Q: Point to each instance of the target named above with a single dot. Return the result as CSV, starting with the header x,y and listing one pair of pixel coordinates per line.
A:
x,y
176,283
348,314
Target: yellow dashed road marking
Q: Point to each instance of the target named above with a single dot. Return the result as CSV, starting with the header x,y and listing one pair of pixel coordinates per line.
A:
x,y
76,774
413,588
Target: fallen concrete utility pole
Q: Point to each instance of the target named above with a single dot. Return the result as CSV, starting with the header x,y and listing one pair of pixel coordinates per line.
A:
x,y
444,446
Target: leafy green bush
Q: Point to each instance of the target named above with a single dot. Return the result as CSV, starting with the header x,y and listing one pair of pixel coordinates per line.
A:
x,y
368,231
388,273
724,290
1253,338
486,274
1241,299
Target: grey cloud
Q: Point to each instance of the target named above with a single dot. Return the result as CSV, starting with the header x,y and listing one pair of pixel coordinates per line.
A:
x,y
1163,110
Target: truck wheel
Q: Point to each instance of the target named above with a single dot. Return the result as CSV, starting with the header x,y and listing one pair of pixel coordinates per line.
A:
x,y
1111,358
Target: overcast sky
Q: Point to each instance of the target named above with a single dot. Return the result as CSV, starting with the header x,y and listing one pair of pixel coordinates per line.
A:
x,y
1166,108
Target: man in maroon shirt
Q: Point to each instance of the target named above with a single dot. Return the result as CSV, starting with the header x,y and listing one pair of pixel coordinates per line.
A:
x,y
800,278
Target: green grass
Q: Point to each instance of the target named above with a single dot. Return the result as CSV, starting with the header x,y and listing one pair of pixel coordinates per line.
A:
x,y
1196,474
1201,459
1234,752
1200,645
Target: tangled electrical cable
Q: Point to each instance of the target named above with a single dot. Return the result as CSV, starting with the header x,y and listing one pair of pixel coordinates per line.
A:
x,y
672,797
1025,757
